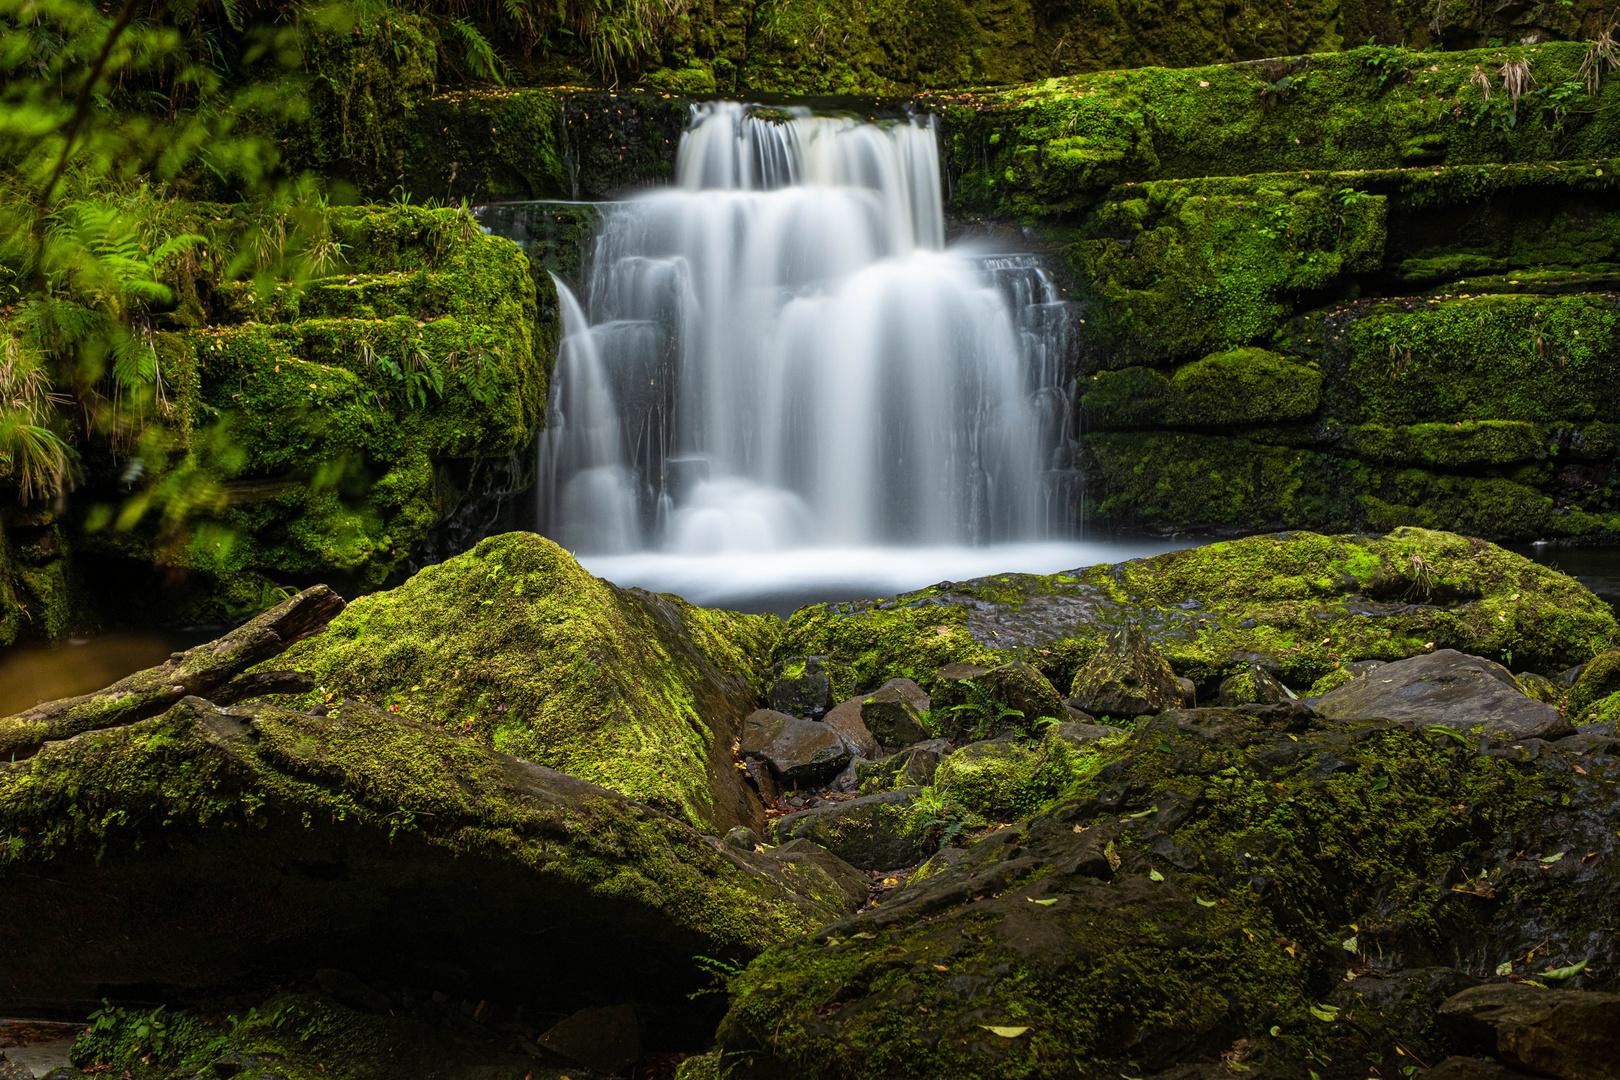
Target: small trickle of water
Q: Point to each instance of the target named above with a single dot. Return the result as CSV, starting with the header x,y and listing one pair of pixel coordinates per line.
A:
x,y
779,352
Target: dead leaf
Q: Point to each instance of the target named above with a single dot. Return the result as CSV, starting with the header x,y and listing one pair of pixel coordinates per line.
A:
x,y
1004,1032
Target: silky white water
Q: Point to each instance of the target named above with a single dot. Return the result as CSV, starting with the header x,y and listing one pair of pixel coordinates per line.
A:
x,y
778,362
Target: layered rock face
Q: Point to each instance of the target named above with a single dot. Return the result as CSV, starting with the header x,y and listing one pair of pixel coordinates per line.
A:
x,y
1335,291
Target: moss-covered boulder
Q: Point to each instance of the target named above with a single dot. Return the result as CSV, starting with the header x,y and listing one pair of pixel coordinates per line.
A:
x,y
209,847
1598,679
1127,677
515,644
1308,603
1221,882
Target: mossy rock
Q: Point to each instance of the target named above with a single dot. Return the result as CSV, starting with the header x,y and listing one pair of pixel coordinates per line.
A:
x,y
1308,602
1056,147
515,644
1214,878
1005,779
298,1035
330,835
1598,679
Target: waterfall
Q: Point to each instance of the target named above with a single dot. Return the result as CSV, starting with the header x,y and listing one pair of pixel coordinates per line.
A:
x,y
780,352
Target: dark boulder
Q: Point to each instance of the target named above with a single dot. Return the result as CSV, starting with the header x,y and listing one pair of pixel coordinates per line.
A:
x,y
605,1038
1446,687
914,766
892,719
801,686
799,751
1569,1034
1253,686
874,832
1126,677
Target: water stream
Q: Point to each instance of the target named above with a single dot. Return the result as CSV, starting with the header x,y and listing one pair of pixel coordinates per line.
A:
x,y
779,360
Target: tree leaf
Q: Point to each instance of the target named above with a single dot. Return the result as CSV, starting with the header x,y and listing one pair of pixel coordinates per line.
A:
x,y
1325,1013
1154,875
1004,1032
1043,903
1566,972
1204,903
1550,859
1349,944
1505,968
1276,1032
1380,784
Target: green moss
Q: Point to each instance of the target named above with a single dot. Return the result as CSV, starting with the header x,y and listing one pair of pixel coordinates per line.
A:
x,y
308,430
1604,710
1454,445
491,144
1525,358
1008,779
1331,681
1055,147
514,643
1179,269
1599,679
1311,602
870,643
1239,386
1181,479
364,72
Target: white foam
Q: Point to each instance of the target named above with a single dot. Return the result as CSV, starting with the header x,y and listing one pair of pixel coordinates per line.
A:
x,y
780,580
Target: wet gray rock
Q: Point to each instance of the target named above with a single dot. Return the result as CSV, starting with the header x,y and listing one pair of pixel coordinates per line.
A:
x,y
874,832
1569,1034
799,751
801,686
10,1070
845,718
1126,677
1447,687
911,692
892,719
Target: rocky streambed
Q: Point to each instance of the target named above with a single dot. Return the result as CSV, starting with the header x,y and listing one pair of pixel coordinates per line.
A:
x,y
1290,805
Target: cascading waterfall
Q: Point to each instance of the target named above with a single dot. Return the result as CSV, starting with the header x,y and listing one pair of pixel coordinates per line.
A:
x,y
780,352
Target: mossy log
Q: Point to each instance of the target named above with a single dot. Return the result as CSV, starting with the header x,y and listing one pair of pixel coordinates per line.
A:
x,y
210,671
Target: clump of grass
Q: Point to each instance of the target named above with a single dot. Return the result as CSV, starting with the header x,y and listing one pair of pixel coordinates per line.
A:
x,y
32,457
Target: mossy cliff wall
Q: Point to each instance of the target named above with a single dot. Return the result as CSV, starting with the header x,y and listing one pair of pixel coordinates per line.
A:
x,y
1358,290
309,430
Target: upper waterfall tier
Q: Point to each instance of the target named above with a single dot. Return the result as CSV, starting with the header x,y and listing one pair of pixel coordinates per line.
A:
x,y
781,352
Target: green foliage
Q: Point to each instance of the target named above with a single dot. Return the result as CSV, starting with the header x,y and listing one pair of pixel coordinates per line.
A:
x,y
986,709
